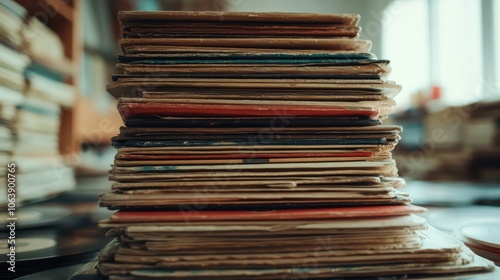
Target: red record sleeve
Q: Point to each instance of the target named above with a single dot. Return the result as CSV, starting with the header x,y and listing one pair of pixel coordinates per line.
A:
x,y
130,110
285,214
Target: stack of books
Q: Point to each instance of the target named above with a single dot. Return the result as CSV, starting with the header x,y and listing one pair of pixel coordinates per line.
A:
x,y
253,148
12,66
33,93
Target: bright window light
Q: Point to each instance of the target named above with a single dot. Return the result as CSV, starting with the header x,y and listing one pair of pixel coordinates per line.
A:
x,y
496,29
459,51
405,40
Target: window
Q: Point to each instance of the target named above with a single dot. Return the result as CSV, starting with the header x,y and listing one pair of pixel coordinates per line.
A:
x,y
451,44
496,28
406,44
458,50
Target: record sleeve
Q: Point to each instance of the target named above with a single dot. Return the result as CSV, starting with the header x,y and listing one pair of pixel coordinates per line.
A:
x,y
290,214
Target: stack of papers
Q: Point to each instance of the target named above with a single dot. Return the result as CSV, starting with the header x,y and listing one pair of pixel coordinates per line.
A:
x,y
253,148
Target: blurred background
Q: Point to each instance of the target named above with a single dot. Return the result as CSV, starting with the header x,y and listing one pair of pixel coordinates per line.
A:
x,y
445,54
56,118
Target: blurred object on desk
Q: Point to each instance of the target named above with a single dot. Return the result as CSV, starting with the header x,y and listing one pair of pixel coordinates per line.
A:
x,y
482,238
456,143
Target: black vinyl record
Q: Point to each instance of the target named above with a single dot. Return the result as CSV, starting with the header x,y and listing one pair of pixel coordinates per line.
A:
x,y
77,271
154,121
30,217
63,272
41,249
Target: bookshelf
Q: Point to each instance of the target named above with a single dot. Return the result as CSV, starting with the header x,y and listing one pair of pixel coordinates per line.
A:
x,y
63,18
82,123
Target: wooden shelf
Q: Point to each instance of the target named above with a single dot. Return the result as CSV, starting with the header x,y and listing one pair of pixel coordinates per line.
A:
x,y
48,10
95,127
